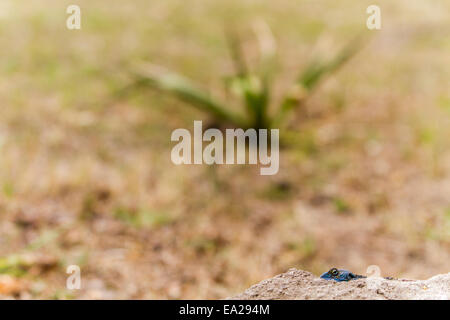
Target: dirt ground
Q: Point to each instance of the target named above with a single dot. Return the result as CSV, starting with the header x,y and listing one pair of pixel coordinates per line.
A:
x,y
364,173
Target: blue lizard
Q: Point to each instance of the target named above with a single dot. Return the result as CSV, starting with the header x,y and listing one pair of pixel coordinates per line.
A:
x,y
344,275
340,275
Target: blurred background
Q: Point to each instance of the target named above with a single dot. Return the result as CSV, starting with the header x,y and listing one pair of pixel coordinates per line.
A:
x,y
86,176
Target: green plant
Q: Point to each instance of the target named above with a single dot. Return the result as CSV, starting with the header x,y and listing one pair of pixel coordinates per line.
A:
x,y
143,217
252,87
341,205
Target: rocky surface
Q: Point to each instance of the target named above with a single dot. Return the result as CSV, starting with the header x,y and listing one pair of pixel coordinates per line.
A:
x,y
298,284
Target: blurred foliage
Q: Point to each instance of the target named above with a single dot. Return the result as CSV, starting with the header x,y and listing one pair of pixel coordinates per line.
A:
x,y
143,217
253,88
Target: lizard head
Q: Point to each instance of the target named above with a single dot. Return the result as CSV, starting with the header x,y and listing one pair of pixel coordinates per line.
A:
x,y
339,275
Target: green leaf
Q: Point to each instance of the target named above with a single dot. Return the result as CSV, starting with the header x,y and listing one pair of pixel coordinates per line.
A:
x,y
313,74
187,91
236,52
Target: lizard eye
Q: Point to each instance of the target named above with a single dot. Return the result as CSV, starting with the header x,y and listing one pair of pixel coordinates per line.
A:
x,y
334,272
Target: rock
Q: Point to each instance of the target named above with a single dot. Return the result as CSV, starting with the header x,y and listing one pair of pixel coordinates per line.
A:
x,y
302,285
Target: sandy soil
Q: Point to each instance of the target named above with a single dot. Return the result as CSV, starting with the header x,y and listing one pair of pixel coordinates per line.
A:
x,y
298,284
